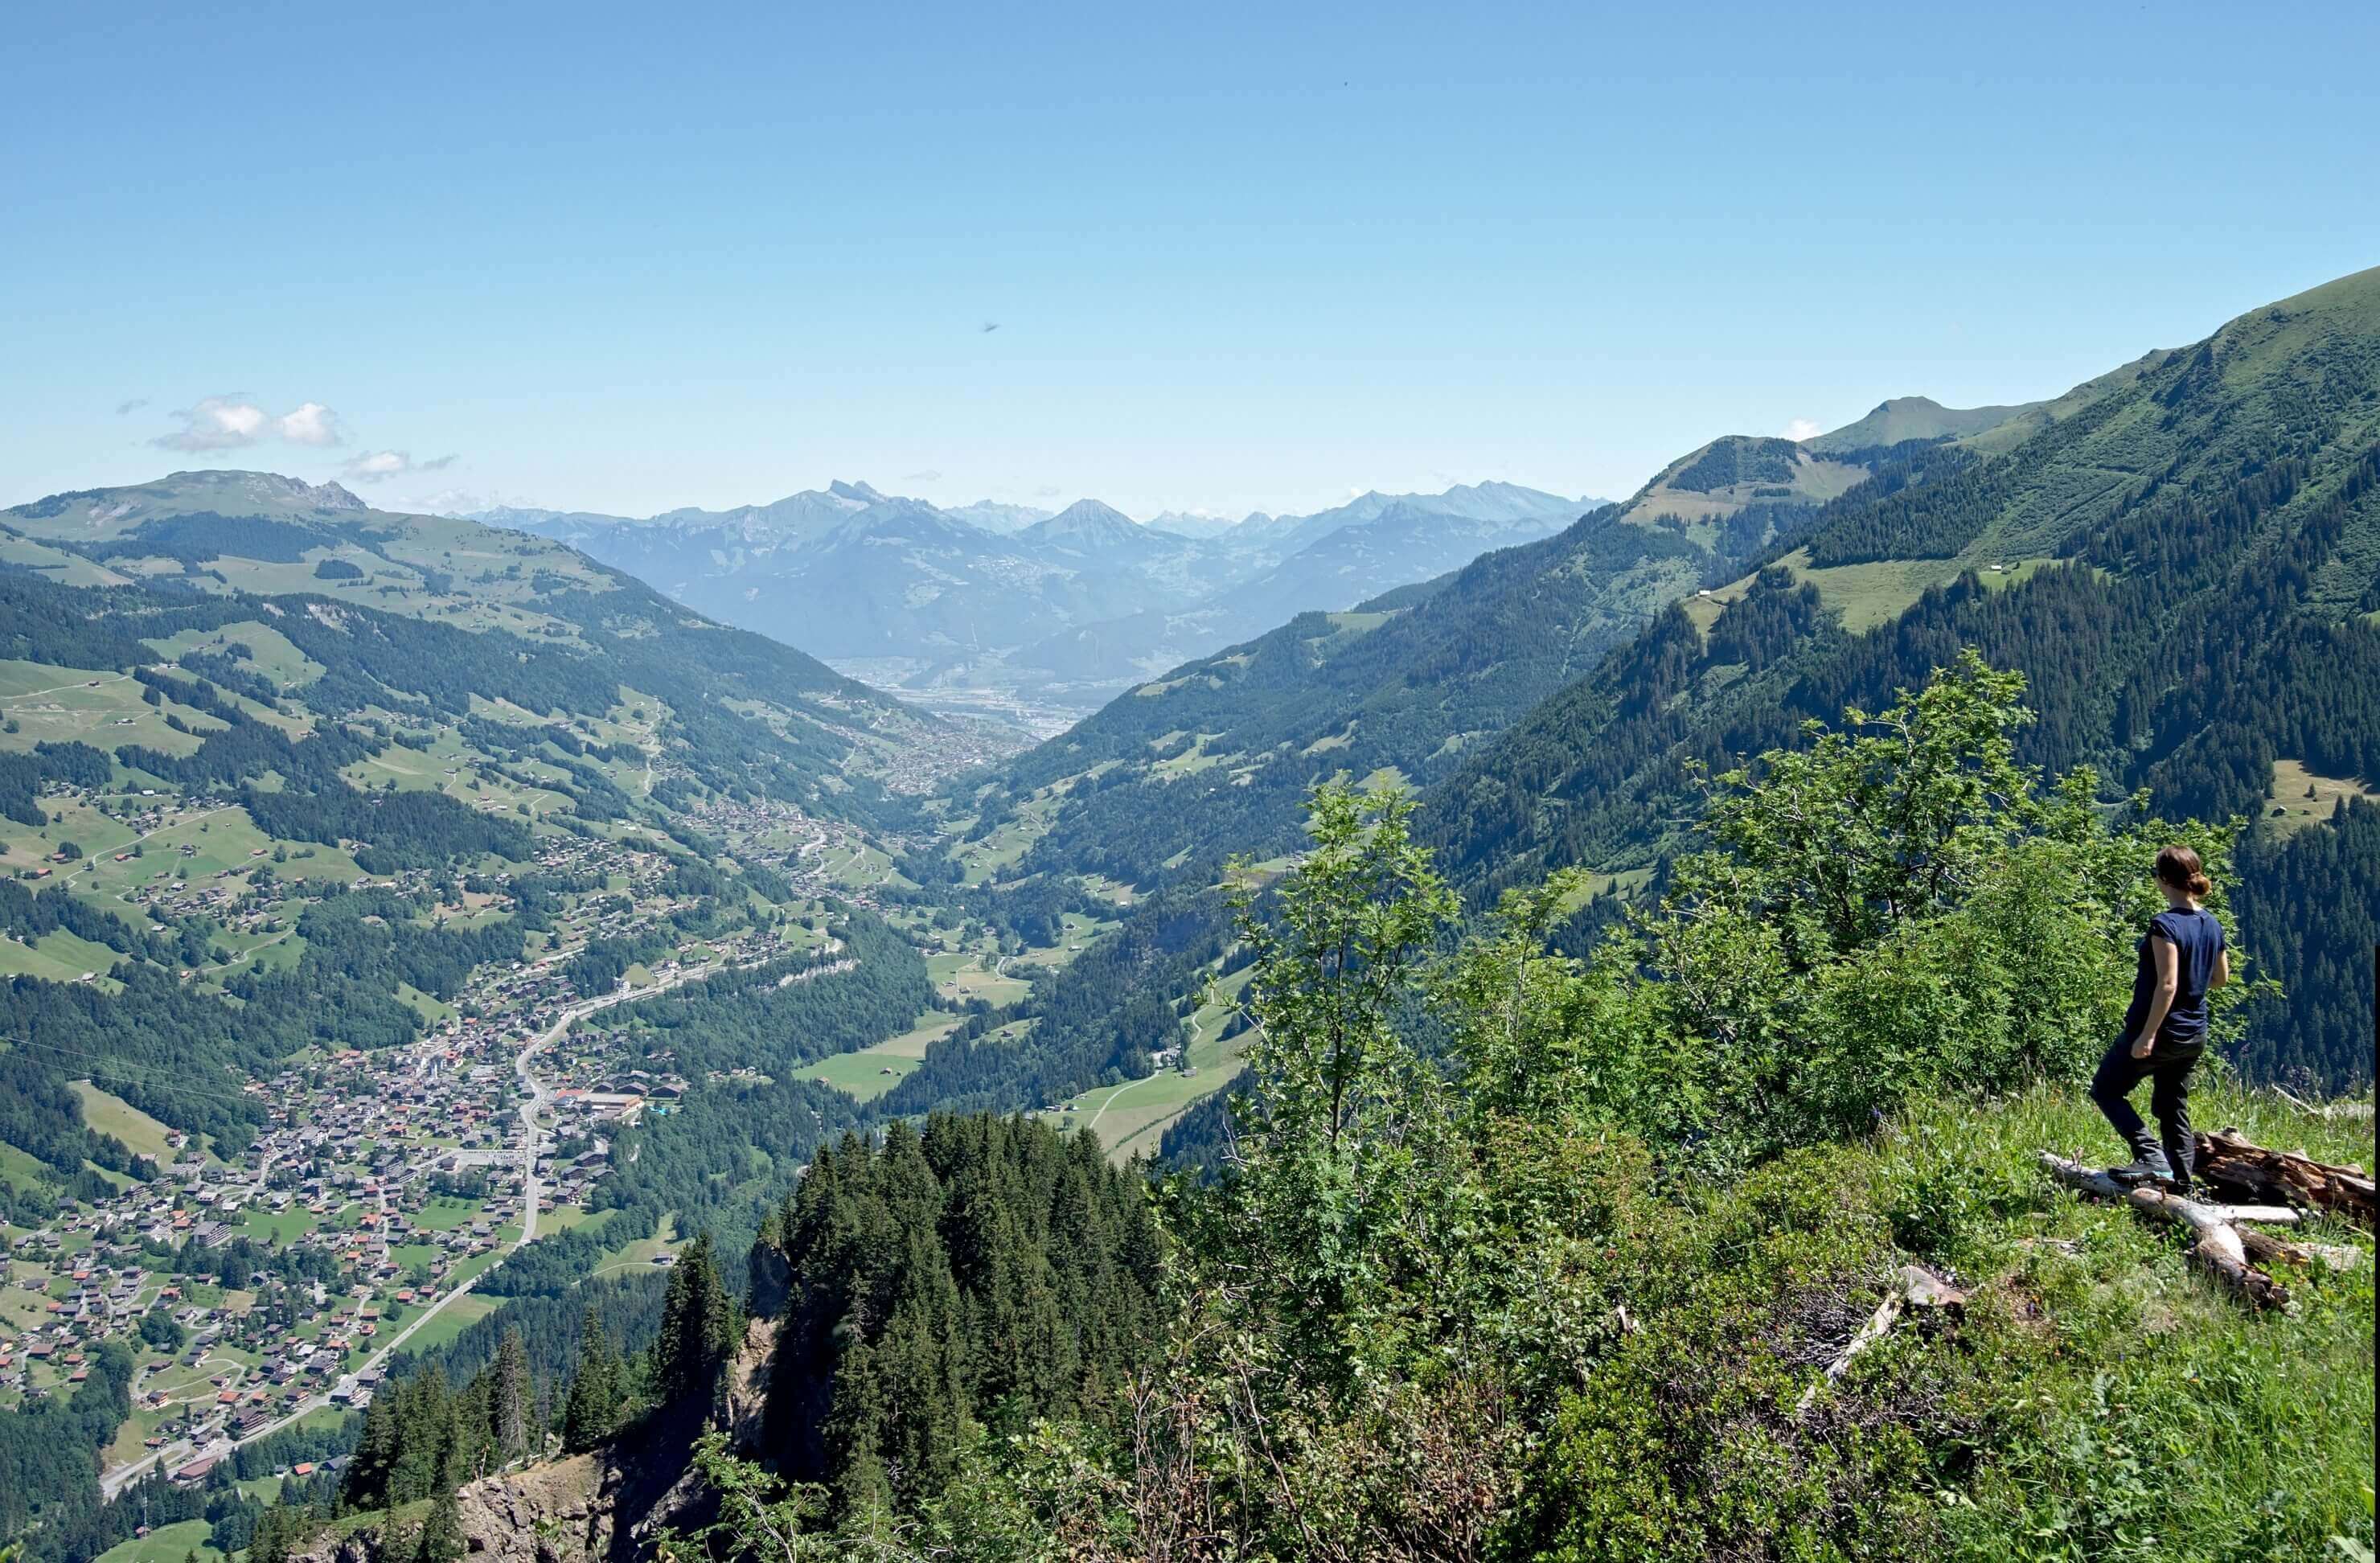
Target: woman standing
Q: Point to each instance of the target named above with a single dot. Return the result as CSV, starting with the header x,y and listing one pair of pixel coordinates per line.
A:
x,y
2183,959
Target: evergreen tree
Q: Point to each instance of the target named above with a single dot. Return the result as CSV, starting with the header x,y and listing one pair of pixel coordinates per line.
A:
x,y
592,1410
441,1533
510,1398
697,1329
375,1458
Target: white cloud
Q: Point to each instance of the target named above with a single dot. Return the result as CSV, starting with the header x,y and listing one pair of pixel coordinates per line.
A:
x,y
216,423
1803,428
924,474
374,467
311,424
134,405
233,419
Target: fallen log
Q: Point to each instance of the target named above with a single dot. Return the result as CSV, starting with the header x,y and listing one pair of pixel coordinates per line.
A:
x,y
1913,1287
2218,1248
2236,1165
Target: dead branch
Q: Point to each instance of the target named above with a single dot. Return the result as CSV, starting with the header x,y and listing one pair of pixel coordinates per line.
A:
x,y
1913,1287
2325,1109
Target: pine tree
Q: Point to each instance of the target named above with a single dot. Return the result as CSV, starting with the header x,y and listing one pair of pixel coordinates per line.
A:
x,y
509,1407
698,1328
593,1408
375,1459
426,1460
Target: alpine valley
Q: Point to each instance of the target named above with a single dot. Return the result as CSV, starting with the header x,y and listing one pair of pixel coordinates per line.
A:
x,y
1033,613
1474,1026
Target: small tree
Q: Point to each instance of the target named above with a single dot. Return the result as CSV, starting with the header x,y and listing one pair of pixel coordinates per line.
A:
x,y
1343,1105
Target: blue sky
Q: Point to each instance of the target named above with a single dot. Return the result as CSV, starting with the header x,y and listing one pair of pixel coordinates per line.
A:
x,y
632,257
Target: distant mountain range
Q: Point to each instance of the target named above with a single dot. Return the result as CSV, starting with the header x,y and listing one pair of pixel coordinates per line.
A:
x,y
1061,609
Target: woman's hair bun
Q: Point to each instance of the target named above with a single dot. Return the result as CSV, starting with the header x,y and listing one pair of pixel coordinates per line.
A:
x,y
2180,867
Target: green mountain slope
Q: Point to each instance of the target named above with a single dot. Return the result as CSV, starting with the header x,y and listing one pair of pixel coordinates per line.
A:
x,y
735,709
2186,567
278,772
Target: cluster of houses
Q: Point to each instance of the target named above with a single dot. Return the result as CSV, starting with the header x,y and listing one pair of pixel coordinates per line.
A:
x,y
378,1181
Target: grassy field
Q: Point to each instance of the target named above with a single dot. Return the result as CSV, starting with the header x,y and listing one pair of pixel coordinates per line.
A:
x,y
58,956
959,976
113,1115
640,1252
1871,594
862,1073
166,1543
1132,1117
452,1321
867,1075
55,565
53,704
283,1226
406,1255
221,840
2300,798
450,767
270,652
443,1214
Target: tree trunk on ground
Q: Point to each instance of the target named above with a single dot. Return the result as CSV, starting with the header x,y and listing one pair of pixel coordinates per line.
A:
x,y
2219,1248
2234,1164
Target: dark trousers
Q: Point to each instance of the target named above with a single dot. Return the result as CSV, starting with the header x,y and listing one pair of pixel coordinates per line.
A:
x,y
2169,1099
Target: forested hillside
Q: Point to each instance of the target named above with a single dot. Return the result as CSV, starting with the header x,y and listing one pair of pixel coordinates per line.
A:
x,y
943,1286
2181,553
2185,568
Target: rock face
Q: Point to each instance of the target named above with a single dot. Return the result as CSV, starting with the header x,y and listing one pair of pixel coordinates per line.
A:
x,y
606,1507
747,1383
549,1513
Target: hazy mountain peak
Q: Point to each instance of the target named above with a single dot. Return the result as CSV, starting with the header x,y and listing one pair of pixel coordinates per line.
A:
x,y
862,493
1087,520
992,515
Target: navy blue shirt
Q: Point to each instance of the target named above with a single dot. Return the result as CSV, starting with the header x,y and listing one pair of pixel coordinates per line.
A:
x,y
2197,939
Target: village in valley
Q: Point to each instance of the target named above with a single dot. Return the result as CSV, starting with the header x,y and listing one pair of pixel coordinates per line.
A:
x,y
271,1287
266,1282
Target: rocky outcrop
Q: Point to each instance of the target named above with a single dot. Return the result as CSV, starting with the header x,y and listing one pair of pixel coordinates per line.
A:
x,y
748,1384
607,1506
553,1512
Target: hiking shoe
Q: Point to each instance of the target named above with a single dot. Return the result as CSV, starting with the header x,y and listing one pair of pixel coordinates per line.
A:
x,y
2149,1167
